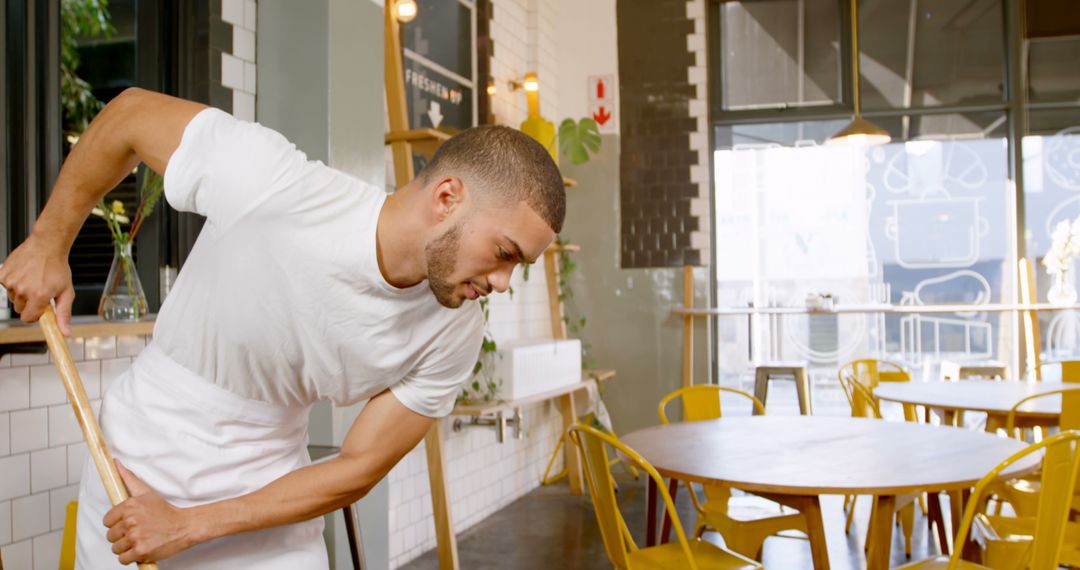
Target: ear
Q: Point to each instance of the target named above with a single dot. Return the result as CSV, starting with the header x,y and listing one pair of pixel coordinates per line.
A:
x,y
447,196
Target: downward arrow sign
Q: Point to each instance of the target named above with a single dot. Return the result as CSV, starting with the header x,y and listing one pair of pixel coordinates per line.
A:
x,y
435,114
602,116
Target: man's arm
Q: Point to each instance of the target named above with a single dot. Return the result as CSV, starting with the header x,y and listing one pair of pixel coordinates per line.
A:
x,y
145,528
136,126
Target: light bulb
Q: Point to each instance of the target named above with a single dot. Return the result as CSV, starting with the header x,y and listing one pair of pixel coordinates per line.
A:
x,y
531,83
405,10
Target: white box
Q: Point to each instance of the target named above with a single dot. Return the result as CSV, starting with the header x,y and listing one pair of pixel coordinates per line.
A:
x,y
528,367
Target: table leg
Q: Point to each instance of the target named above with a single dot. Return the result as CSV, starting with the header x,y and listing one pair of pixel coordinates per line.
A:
x,y
761,388
440,499
880,535
936,518
810,507
571,458
995,421
802,388
956,511
665,528
650,513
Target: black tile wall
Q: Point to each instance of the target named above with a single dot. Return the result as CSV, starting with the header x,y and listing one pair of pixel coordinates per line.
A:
x,y
655,93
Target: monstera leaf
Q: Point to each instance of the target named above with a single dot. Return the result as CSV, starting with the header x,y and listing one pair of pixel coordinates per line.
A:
x,y
579,140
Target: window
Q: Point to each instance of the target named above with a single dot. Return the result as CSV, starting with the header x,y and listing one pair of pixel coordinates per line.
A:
x,y
157,44
929,219
779,53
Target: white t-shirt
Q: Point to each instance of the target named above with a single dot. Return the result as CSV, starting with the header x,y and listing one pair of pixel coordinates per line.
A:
x,y
281,299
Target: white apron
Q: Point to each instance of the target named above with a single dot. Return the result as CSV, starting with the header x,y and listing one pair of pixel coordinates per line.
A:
x,y
195,443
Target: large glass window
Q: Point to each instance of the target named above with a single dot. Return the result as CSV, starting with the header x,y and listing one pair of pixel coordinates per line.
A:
x,y
930,219
927,53
779,53
920,222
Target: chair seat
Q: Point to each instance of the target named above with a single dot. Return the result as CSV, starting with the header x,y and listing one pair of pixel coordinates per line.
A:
x,y
749,509
940,563
1008,539
707,556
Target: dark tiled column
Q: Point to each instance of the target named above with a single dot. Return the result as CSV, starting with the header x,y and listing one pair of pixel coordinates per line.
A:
x,y
656,155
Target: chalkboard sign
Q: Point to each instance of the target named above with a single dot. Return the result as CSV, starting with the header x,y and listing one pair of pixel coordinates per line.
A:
x,y
439,60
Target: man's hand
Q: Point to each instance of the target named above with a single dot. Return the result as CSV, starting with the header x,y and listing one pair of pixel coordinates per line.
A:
x,y
36,273
145,527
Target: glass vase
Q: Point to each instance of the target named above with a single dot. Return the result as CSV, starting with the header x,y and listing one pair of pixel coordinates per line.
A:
x,y
1062,291
123,298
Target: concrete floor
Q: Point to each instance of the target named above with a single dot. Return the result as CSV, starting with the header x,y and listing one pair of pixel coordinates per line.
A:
x,y
548,529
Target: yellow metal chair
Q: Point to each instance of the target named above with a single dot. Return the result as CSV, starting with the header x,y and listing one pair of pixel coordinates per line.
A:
x,y
693,554
1024,494
744,528
67,541
865,405
1039,544
870,372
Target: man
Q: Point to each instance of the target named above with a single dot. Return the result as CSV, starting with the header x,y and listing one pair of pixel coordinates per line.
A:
x,y
305,284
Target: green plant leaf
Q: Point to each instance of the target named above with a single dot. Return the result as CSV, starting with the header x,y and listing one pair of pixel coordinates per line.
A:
x,y
579,140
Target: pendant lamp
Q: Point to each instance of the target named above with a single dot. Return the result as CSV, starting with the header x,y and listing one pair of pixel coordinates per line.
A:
x,y
859,131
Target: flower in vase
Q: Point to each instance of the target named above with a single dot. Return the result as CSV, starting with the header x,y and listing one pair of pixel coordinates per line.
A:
x,y
123,297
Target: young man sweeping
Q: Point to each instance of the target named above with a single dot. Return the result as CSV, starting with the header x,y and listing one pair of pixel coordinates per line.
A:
x,y
305,285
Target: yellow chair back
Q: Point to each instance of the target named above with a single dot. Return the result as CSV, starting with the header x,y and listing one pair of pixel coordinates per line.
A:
x,y
702,402
868,373
617,541
1058,473
67,541
1070,401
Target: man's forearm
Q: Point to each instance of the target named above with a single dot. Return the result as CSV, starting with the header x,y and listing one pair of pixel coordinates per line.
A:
x,y
298,496
97,163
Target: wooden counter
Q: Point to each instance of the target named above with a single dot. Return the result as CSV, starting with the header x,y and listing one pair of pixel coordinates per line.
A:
x,y
14,331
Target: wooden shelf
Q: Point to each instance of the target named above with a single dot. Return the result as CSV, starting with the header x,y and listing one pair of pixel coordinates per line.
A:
x,y
588,377
14,331
416,135
556,247
422,141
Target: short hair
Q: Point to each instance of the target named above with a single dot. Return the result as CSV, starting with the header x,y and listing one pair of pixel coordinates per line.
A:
x,y
507,165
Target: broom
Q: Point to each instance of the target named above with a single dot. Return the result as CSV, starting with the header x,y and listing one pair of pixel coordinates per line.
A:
x,y
114,486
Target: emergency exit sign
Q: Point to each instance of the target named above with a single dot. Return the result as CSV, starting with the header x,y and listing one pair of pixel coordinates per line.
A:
x,y
602,101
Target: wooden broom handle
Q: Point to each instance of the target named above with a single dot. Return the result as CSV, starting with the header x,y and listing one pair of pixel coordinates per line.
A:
x,y
110,476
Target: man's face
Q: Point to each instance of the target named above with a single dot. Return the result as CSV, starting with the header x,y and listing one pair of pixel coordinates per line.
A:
x,y
477,253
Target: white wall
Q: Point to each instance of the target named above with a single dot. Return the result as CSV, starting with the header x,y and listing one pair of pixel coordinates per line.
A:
x,y
586,44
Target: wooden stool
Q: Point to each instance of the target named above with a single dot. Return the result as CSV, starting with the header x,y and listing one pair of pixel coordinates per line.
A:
x,y
783,370
953,371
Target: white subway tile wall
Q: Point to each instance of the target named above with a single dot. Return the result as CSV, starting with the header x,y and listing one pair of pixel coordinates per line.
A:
x,y
5,522
41,448
238,68
484,475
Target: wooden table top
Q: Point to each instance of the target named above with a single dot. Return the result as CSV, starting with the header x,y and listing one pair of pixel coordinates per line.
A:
x,y
807,455
996,397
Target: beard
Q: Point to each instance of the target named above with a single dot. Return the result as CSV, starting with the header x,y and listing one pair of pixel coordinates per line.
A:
x,y
441,256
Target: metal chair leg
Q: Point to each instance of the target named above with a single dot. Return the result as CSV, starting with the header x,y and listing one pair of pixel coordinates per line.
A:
x,y
352,530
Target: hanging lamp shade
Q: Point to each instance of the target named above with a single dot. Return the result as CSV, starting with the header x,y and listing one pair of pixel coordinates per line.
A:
x,y
860,132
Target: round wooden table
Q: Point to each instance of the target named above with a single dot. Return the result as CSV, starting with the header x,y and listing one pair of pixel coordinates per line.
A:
x,y
794,460
995,398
